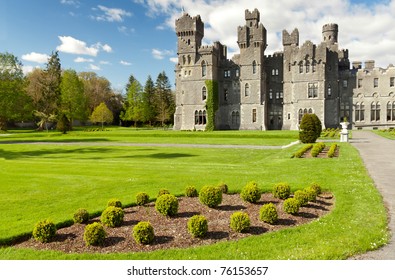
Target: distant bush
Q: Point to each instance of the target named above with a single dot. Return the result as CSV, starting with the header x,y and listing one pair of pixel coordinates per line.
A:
x,y
81,216
282,190
311,128
167,205
332,150
112,216
240,222
198,226
44,231
163,191
302,197
191,191
114,202
268,213
291,206
142,198
299,153
143,233
250,192
94,234
223,187
317,148
210,196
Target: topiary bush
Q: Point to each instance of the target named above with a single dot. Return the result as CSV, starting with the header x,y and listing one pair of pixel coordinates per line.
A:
x,y
332,150
114,202
302,197
299,153
311,194
94,234
210,196
191,191
163,191
44,231
198,226
310,128
268,213
142,198
112,216
281,190
250,193
291,206
81,216
240,222
167,205
143,233
223,187
316,187
317,148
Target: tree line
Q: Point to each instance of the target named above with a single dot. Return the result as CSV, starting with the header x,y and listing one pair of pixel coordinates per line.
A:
x,y
53,96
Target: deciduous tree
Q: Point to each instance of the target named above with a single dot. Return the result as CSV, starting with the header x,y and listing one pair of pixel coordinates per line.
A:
x,y
102,115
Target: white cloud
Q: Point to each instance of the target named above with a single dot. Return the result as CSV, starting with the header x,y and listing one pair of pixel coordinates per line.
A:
x,y
160,54
111,14
174,59
364,29
28,69
36,57
70,2
102,62
94,67
125,30
82,60
125,63
75,46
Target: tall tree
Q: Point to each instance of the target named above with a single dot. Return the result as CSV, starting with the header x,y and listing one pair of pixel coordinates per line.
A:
x,y
102,115
164,100
149,112
133,107
72,98
13,98
53,79
97,89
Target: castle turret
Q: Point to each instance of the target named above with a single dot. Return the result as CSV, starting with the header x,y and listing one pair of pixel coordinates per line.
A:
x,y
190,32
330,33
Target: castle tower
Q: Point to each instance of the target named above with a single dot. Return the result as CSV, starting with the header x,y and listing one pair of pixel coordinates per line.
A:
x,y
330,33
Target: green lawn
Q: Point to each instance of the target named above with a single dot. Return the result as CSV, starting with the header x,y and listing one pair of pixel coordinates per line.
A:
x,y
53,180
390,134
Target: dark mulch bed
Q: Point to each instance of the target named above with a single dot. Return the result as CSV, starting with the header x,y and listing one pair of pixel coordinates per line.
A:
x,y
172,232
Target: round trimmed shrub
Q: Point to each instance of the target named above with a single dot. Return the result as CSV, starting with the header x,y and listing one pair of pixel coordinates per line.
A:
x,y
94,234
143,233
281,190
163,191
114,202
316,188
268,213
81,216
223,187
311,194
250,193
302,197
198,226
310,128
291,206
142,198
210,196
191,191
167,205
240,222
44,231
112,216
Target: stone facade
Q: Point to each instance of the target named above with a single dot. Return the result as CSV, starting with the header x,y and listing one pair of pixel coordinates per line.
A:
x,y
266,92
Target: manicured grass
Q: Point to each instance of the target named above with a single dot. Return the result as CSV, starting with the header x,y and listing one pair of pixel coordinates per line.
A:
x,y
52,181
390,134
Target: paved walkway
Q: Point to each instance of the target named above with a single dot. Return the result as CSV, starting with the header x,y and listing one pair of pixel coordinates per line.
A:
x,y
378,154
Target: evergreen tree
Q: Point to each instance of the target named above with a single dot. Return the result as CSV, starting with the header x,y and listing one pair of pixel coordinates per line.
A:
x,y
164,100
53,80
133,107
149,112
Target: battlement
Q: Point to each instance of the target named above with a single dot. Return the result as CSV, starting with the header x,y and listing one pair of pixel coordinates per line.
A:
x,y
275,55
189,25
254,15
330,27
291,39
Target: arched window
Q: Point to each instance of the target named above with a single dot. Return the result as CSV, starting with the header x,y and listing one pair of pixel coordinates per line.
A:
x,y
329,90
307,66
389,111
204,69
301,67
362,112
313,66
375,111
189,60
247,90
200,117
310,111
204,93
235,117
300,115
393,111
254,67
357,112
196,117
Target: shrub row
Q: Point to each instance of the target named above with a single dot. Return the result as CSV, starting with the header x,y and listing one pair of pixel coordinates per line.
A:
x,y
332,150
302,150
317,148
331,132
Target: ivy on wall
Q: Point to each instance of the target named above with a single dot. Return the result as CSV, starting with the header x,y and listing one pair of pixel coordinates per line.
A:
x,y
211,103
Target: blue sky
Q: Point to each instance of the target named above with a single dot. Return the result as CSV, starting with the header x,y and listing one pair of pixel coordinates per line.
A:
x,y
118,38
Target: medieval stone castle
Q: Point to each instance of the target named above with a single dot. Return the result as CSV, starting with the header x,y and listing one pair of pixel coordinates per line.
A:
x,y
267,92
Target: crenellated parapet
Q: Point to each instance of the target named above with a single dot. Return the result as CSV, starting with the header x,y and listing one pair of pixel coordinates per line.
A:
x,y
291,39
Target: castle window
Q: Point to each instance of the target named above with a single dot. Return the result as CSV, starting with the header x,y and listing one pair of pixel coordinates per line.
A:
x,y
307,67
313,90
200,117
226,94
276,72
273,72
310,111
204,93
392,81
289,66
183,60
313,66
301,68
254,67
237,72
359,83
391,111
247,90
281,94
277,95
345,83
253,115
227,73
357,112
329,90
189,60
375,82
270,94
375,111
235,117
204,69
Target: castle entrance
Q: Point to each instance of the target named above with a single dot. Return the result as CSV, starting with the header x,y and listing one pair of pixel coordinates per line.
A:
x,y
275,121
